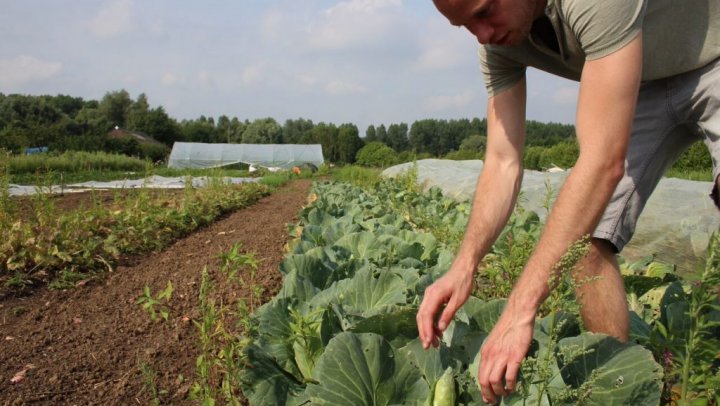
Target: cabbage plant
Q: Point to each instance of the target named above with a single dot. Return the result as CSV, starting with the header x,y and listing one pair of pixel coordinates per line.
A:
x,y
342,330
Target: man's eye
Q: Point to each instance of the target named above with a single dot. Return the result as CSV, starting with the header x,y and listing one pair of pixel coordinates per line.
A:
x,y
485,12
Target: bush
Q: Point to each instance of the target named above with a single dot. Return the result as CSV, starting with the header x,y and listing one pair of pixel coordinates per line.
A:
x,y
125,146
563,154
475,143
410,156
154,152
376,154
464,154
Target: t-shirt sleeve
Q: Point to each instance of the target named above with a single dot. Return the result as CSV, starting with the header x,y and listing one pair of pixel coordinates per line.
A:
x,y
603,27
499,71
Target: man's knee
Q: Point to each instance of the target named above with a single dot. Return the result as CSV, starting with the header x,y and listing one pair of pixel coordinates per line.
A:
x,y
600,254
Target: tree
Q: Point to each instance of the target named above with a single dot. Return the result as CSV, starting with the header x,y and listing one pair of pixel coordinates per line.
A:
x,y
296,131
137,114
422,136
397,137
92,121
381,134
263,131
370,134
237,129
161,127
348,143
327,136
115,106
200,130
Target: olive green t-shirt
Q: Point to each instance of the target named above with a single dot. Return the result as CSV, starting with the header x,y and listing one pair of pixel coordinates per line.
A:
x,y
678,36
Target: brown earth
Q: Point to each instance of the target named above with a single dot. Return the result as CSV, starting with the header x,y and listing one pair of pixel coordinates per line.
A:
x,y
86,346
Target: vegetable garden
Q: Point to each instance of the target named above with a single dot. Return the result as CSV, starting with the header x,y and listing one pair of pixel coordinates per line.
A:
x,y
342,329
339,328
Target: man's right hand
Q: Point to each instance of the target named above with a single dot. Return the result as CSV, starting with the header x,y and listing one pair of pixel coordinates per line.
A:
x,y
452,289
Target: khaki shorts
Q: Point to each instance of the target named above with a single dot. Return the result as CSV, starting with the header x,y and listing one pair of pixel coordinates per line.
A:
x,y
671,115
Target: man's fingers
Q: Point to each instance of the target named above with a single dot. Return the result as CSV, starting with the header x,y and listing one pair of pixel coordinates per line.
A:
x,y
448,314
496,380
483,378
426,319
511,374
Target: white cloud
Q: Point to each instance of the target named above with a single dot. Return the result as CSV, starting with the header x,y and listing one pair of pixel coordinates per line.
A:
x,y
170,79
23,69
565,95
457,101
442,46
440,56
307,79
204,77
112,20
355,22
339,87
253,74
274,24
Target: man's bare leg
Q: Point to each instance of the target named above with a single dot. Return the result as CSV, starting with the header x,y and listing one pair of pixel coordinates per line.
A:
x,y
603,301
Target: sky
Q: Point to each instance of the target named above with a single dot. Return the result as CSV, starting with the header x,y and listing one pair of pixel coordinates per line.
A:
x,y
352,61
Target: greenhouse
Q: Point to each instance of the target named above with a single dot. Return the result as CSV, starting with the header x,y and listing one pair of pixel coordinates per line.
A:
x,y
200,155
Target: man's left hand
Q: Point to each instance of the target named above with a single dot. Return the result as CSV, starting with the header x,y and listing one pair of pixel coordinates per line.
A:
x,y
502,353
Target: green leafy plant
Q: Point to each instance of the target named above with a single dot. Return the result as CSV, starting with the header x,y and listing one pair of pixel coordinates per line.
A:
x,y
156,306
223,329
689,335
342,328
149,380
50,246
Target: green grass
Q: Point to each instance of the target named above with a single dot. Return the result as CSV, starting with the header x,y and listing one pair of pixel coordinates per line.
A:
x,y
705,175
78,166
74,161
357,175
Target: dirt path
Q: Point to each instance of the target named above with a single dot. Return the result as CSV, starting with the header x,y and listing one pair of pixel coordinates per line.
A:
x,y
85,346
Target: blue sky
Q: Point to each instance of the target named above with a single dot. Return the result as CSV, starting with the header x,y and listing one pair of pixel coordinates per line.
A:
x,y
359,61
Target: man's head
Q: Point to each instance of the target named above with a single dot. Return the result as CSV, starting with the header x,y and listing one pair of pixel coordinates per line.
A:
x,y
499,22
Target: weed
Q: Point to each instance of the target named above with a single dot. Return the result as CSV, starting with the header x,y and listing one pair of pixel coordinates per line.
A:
x,y
156,305
365,178
18,281
68,278
234,261
7,205
218,367
149,377
19,311
540,370
690,341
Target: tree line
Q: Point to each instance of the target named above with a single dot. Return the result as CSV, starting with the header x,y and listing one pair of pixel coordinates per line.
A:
x,y
63,123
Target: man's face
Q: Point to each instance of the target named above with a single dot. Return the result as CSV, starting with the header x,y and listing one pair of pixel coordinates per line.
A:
x,y
498,22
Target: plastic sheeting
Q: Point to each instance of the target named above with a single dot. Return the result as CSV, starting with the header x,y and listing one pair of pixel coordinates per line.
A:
x,y
152,182
199,155
675,226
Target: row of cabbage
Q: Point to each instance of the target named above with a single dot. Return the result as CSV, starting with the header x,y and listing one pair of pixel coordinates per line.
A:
x,y
342,329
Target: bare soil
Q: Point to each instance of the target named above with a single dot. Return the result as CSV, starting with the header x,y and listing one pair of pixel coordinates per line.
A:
x,y
86,346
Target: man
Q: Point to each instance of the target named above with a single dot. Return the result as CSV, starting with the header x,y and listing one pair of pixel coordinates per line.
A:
x,y
649,87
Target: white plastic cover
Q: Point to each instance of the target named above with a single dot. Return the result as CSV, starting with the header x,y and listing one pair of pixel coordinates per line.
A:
x,y
152,182
200,155
675,225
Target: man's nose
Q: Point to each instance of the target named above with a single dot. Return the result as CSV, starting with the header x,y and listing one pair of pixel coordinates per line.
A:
x,y
482,32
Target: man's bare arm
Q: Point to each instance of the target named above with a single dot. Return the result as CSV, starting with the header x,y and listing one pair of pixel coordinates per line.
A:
x,y
606,106
495,196
499,182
